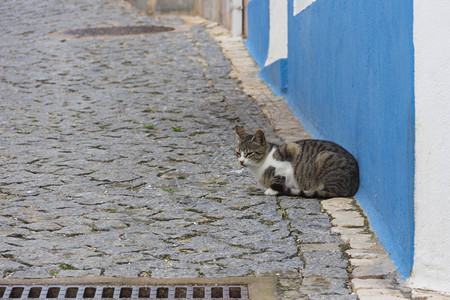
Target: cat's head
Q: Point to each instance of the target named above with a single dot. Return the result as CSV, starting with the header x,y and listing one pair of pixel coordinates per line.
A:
x,y
252,149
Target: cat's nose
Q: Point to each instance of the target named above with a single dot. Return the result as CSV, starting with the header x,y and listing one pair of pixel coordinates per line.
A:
x,y
241,162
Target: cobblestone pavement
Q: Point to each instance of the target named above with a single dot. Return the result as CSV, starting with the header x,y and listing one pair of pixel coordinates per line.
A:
x,y
116,158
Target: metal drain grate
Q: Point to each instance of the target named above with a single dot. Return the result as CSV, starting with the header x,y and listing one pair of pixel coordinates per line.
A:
x,y
124,292
117,30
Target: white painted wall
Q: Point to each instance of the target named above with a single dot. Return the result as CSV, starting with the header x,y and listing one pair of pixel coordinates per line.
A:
x,y
236,18
278,34
300,5
432,175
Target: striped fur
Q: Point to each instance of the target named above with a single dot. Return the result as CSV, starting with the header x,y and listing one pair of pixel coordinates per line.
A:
x,y
307,168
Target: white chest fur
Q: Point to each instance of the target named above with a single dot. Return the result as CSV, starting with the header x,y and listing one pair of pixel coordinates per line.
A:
x,y
282,168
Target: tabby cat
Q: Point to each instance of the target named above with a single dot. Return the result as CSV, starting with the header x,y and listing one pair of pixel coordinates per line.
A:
x,y
307,168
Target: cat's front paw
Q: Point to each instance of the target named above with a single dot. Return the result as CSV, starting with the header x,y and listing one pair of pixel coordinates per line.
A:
x,y
270,192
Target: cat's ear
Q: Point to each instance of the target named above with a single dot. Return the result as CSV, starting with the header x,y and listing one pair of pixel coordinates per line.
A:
x,y
259,137
240,131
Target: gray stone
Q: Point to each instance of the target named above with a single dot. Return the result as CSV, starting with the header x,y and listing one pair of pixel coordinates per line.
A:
x,y
107,225
324,285
43,226
319,296
78,273
331,272
75,230
175,273
325,259
35,272
287,266
9,266
127,270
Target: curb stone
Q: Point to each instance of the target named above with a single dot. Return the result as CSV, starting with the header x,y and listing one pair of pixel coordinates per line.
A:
x,y
372,273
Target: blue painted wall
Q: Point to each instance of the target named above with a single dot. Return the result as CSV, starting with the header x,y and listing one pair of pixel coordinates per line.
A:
x,y
275,74
351,80
258,30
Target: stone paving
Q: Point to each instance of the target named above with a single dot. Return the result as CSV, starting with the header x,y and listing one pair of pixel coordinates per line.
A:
x,y
116,158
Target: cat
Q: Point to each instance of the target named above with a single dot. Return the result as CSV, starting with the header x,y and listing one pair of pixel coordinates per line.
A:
x,y
308,168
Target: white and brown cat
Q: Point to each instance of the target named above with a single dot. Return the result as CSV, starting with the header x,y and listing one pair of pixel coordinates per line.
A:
x,y
308,168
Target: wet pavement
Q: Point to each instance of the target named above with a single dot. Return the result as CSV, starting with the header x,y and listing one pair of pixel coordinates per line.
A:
x,y
117,159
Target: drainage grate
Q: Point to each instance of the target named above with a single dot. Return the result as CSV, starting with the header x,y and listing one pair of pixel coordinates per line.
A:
x,y
117,30
124,292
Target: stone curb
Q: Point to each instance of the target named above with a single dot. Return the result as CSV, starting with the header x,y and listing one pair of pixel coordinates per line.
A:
x,y
372,273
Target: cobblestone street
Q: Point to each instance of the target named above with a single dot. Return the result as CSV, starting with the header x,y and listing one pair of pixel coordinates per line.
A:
x,y
117,159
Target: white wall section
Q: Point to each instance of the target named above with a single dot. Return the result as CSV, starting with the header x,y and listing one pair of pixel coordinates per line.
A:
x,y
432,172
236,18
278,31
300,5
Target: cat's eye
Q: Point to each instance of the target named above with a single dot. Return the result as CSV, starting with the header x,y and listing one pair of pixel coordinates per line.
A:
x,y
249,154
238,153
